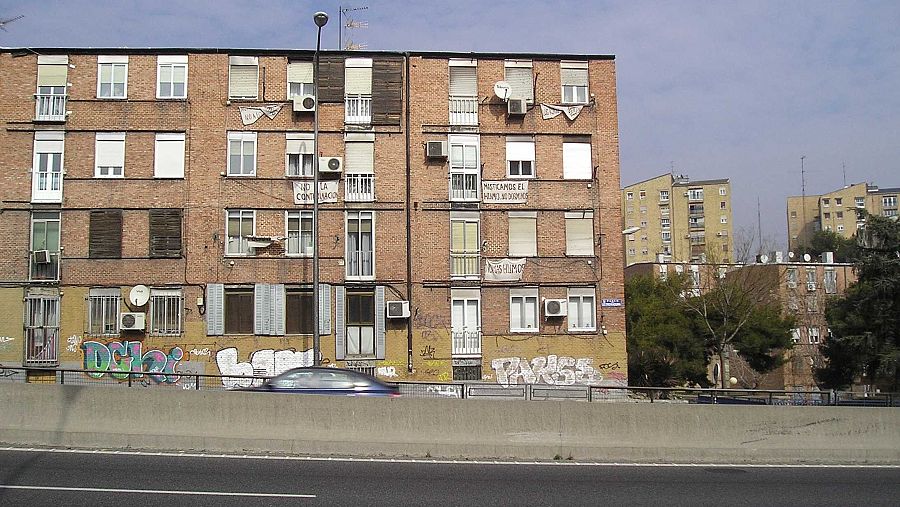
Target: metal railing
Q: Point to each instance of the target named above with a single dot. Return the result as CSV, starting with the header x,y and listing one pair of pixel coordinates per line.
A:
x,y
359,187
464,264
359,263
463,186
466,342
463,110
49,107
358,109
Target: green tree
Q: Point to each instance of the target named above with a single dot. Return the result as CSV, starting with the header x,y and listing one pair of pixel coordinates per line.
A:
x,y
865,322
845,249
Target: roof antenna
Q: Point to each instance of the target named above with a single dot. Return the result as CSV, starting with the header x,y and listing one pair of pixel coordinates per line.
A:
x,y
844,170
4,22
345,21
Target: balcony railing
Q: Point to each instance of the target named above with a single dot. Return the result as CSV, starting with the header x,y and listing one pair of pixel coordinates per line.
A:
x,y
49,107
45,271
463,187
466,342
463,110
358,109
359,188
464,264
360,264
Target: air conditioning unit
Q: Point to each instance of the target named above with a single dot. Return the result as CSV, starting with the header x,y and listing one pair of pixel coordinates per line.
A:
x,y
792,285
41,256
516,107
555,308
397,309
330,164
304,103
436,149
131,321
810,286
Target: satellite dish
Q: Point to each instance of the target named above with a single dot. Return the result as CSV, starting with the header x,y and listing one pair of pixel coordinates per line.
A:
x,y
763,258
139,295
790,255
807,257
502,90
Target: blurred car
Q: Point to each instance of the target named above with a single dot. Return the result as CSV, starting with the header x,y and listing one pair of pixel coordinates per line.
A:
x,y
333,381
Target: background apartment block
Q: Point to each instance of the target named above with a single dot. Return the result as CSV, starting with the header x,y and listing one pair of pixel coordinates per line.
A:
x,y
679,220
462,235
836,211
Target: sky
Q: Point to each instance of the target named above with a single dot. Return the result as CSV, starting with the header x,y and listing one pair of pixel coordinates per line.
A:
x,y
724,89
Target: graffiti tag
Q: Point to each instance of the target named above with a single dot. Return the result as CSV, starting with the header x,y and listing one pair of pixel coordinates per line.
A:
x,y
386,371
552,370
73,342
266,362
127,356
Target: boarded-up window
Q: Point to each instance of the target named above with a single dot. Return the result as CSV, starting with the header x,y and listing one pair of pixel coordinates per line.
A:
x,y
165,233
387,91
239,310
105,240
331,78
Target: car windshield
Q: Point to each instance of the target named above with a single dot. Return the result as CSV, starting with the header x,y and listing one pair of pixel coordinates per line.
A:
x,y
318,379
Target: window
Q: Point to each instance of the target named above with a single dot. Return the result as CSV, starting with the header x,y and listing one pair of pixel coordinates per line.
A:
x,y
165,233
722,191
645,251
465,174
360,323
793,214
359,160
795,335
723,219
168,155
519,76
791,277
241,153
109,155
695,194
890,213
574,79
577,161
826,202
860,202
830,281
664,211
103,312
463,92
664,195
243,77
520,157
839,215
105,235
465,247
45,236
810,275
50,99
299,154
299,233
827,216
300,79
642,194
360,244
666,236
580,233
112,77
240,224
643,223
165,312
47,167
665,223
465,322
813,335
171,76
632,251
889,201
41,328
629,196
239,305
523,310
838,201
299,311
358,90
523,233
723,205
582,313
840,228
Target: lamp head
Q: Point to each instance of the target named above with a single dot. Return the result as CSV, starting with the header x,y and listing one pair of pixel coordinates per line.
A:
x,y
320,18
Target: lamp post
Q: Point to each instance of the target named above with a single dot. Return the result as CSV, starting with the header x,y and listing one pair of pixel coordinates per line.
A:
x,y
320,18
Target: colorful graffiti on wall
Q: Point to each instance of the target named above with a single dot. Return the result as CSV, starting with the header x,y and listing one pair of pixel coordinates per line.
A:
x,y
550,369
115,357
268,362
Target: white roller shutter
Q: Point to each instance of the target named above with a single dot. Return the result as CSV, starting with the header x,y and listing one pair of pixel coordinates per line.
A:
x,y
580,233
358,76
110,149
379,322
519,150
243,77
52,74
573,73
519,77
169,156
300,72
324,309
360,158
522,236
340,338
577,161
463,82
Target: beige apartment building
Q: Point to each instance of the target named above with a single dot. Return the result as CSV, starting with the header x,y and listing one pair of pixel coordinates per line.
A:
x,y
836,211
673,219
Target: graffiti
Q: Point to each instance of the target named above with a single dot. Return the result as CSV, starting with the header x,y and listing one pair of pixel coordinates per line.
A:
x,y
552,370
447,391
129,356
267,362
608,366
386,371
74,342
201,352
427,351
7,373
5,340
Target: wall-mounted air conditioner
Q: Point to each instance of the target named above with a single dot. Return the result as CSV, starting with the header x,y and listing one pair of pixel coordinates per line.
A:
x,y
811,286
397,309
304,103
132,321
330,164
555,308
516,107
41,256
436,149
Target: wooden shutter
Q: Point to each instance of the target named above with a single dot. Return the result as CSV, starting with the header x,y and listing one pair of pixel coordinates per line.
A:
x,y
340,340
379,322
105,240
215,309
165,233
331,78
324,309
387,91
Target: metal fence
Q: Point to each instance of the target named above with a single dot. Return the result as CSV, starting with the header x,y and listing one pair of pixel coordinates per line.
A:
x,y
464,390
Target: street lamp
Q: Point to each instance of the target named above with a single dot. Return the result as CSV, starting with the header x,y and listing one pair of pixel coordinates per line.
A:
x,y
320,18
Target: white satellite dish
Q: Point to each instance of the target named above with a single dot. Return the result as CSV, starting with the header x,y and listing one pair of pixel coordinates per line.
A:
x,y
139,295
502,90
807,257
790,255
763,259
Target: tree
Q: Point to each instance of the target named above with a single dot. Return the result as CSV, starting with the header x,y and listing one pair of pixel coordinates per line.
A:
x,y
845,249
865,322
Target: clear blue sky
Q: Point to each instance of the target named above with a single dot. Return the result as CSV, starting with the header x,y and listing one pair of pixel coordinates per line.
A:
x,y
730,89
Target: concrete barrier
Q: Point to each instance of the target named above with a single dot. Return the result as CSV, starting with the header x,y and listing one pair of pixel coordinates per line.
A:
x,y
75,416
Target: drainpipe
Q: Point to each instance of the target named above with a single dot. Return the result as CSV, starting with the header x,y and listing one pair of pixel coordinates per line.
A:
x,y
409,331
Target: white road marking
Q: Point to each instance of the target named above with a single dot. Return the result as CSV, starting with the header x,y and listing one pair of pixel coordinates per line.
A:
x,y
441,461
156,491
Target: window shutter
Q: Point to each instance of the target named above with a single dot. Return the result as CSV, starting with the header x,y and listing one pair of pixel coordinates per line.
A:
x,y
387,91
522,236
300,72
278,309
358,81
520,82
579,233
243,77
463,82
340,345
520,150
331,78
360,158
52,74
573,73
262,310
165,233
110,149
577,161
379,322
324,309
105,240
168,160
215,309
299,142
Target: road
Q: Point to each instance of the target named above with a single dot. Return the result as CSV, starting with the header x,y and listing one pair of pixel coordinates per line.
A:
x,y
77,478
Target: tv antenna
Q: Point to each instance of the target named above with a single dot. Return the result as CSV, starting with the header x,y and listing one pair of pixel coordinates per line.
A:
x,y
346,21
4,22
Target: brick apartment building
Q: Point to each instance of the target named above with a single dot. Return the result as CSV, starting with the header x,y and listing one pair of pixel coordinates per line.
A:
x,y
157,209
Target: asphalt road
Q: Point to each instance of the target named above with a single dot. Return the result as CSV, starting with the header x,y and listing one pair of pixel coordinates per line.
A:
x,y
38,478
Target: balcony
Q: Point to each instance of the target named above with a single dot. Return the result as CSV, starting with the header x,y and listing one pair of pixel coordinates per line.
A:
x,y
359,188
360,264
463,186
49,107
45,271
358,109
464,264
466,342
464,111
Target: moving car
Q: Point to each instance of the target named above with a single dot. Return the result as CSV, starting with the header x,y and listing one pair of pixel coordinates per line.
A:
x,y
321,380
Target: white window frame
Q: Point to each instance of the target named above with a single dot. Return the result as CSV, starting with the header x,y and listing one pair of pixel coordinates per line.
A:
x,y
642,195
360,217
49,148
519,151
304,248
575,246
166,312
518,82
45,271
243,61
795,335
528,310
167,164
722,191
463,171
109,146
813,335
465,335
243,138
299,145
664,195
860,202
579,298
666,236
470,255
577,164
302,69
629,196
109,301
114,64
574,91
695,194
723,220
889,201
242,249
171,62
529,249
